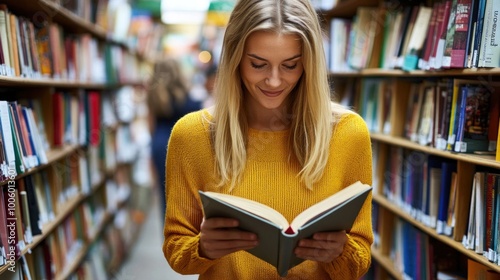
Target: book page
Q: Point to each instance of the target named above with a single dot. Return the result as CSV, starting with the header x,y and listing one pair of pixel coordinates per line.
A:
x,y
253,207
327,204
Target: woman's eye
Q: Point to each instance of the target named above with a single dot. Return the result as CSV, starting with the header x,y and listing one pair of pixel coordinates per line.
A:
x,y
290,67
258,66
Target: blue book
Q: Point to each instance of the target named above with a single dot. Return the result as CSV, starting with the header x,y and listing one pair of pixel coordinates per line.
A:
x,y
461,117
479,32
447,167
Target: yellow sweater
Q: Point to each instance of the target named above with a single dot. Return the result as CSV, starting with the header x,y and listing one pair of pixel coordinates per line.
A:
x,y
270,178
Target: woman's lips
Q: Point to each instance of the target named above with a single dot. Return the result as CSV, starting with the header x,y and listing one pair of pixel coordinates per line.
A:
x,y
271,93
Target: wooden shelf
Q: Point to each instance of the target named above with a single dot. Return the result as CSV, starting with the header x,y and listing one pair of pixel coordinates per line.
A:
x,y
49,227
384,202
347,8
48,82
486,73
387,263
40,10
75,263
484,160
52,156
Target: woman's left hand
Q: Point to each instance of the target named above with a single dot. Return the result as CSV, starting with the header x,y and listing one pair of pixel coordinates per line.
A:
x,y
322,247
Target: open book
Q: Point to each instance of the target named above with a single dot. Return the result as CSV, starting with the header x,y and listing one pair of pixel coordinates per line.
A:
x,y
277,237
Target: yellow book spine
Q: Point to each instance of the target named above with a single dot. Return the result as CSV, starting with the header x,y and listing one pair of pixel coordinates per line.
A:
x,y
498,143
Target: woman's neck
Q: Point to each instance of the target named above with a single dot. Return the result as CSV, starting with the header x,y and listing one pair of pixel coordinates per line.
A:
x,y
270,120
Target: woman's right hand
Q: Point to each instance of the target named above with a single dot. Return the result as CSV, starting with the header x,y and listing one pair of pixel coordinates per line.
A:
x,y
220,236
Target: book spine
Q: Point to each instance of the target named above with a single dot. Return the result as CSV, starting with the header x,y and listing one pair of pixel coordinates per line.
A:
x,y
491,53
287,243
478,33
450,33
462,23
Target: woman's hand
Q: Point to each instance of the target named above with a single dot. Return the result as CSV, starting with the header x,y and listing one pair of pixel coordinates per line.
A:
x,y
220,236
323,247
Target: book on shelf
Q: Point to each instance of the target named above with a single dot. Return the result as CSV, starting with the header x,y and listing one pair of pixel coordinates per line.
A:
x,y
434,171
423,59
445,96
498,144
472,121
491,217
494,121
450,33
363,37
465,17
417,38
339,34
426,123
478,35
277,237
443,16
490,48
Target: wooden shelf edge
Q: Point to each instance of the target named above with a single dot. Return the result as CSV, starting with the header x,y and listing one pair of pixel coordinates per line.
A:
x,y
386,263
348,8
57,83
84,250
405,143
74,19
377,72
384,202
53,155
49,227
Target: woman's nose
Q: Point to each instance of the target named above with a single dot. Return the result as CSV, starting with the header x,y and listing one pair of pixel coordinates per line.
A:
x,y
274,78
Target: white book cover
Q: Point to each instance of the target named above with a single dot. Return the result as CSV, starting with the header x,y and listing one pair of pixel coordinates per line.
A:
x,y
485,36
491,50
7,135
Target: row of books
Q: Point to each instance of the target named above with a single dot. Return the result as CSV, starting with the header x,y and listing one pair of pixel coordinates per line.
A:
x,y
31,127
483,231
44,196
23,144
127,25
55,256
423,186
447,34
45,50
427,188
452,114
417,256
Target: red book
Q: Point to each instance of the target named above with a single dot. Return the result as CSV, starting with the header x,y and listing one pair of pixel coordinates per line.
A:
x,y
424,64
94,117
442,24
462,18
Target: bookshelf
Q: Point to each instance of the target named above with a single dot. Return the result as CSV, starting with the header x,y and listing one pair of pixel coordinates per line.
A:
x,y
79,209
406,161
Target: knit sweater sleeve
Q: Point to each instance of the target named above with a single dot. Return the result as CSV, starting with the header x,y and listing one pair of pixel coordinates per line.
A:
x,y
186,151
352,136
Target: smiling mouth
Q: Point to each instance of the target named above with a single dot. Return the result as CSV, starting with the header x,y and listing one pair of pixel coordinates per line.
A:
x,y
271,93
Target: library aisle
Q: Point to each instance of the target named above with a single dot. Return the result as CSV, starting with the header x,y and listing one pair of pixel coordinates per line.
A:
x,y
146,260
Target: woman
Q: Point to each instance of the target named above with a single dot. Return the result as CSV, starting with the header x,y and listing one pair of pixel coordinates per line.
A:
x,y
275,137
169,100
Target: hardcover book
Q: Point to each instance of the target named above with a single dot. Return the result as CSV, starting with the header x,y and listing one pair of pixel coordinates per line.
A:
x,y
277,237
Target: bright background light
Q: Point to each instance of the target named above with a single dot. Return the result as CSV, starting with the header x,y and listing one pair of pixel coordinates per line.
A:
x,y
184,11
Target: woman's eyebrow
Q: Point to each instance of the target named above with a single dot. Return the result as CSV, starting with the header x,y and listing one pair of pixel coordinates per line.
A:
x,y
263,59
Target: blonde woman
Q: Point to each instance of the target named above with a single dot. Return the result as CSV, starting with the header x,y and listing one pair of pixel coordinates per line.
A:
x,y
169,100
273,136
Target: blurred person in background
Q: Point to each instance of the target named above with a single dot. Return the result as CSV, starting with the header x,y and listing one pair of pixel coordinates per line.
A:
x,y
210,75
169,99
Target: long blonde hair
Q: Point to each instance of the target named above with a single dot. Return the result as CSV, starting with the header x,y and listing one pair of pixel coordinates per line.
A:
x,y
311,126
168,88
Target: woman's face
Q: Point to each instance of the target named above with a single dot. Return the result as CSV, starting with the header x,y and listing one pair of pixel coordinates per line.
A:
x,y
270,68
